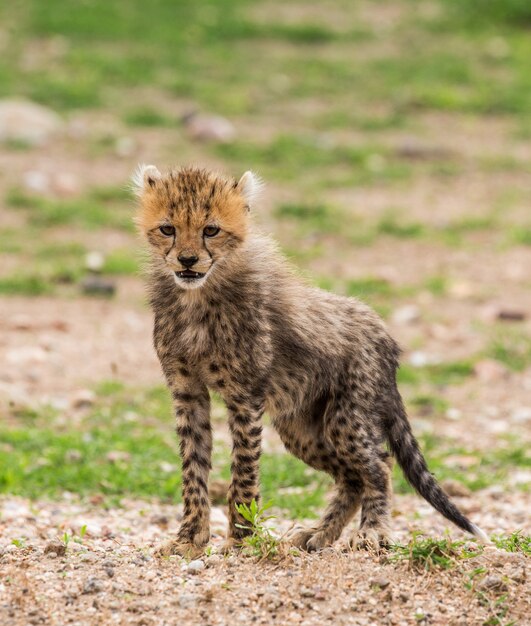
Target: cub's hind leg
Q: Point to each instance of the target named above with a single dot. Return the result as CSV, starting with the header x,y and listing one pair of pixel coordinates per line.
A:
x,y
356,444
306,443
338,514
374,530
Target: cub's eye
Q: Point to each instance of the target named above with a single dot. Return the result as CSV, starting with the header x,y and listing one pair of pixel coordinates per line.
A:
x,y
210,231
167,230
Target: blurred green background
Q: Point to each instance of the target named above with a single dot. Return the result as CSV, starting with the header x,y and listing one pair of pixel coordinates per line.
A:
x,y
395,140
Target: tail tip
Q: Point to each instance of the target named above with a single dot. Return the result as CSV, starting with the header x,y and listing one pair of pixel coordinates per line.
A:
x,y
480,534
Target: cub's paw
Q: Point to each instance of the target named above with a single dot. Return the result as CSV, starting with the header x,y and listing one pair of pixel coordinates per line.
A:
x,y
298,537
372,539
309,539
180,548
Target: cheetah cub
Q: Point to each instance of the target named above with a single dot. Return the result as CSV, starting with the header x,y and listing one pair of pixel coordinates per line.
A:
x,y
232,316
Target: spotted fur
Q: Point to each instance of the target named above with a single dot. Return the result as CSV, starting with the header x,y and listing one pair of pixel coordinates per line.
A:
x,y
323,366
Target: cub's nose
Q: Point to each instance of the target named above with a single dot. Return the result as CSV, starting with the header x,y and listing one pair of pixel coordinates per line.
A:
x,y
187,261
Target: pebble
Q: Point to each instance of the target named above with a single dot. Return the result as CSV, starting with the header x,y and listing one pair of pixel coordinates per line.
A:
x,y
506,315
307,593
30,123
406,315
55,547
96,286
194,567
94,261
380,582
517,574
212,128
118,456
188,600
489,370
93,585
160,520
493,583
82,399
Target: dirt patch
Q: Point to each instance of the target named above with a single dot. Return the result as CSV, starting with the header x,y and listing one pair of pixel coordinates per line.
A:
x,y
111,576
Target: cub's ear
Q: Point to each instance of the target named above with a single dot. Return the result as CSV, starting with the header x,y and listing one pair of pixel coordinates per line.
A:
x,y
250,185
144,176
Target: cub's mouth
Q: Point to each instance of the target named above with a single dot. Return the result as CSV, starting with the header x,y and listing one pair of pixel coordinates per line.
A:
x,y
189,275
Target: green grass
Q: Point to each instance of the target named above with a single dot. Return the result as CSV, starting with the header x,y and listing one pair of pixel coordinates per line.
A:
x,y
512,347
515,542
148,117
19,284
43,457
393,225
425,554
38,459
316,217
521,235
365,288
122,262
439,374
288,156
98,209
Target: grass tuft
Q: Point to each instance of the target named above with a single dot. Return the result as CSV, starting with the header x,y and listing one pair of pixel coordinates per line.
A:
x,y
515,542
260,543
425,553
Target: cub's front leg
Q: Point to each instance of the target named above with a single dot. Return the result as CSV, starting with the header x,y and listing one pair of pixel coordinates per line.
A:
x,y
245,424
192,410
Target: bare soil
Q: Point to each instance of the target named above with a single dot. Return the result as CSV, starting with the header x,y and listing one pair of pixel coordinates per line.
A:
x,y
111,577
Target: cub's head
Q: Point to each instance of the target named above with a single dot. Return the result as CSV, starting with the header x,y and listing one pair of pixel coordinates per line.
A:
x,y
193,219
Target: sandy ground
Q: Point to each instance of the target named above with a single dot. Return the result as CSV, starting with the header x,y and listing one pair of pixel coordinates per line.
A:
x,y
112,577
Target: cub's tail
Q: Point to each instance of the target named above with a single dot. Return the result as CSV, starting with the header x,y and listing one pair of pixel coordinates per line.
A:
x,y
406,450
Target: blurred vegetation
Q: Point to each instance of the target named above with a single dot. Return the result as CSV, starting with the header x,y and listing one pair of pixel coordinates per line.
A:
x,y
320,99
122,446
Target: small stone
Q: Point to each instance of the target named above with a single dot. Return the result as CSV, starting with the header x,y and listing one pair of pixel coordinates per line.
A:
x,y
194,567
95,286
454,414
188,600
380,582
489,370
521,415
56,547
415,150
83,399
517,574
421,359
507,315
493,583
94,261
406,315
93,585
73,456
118,456
36,182
160,520
307,593
455,488
30,123
65,184
213,128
